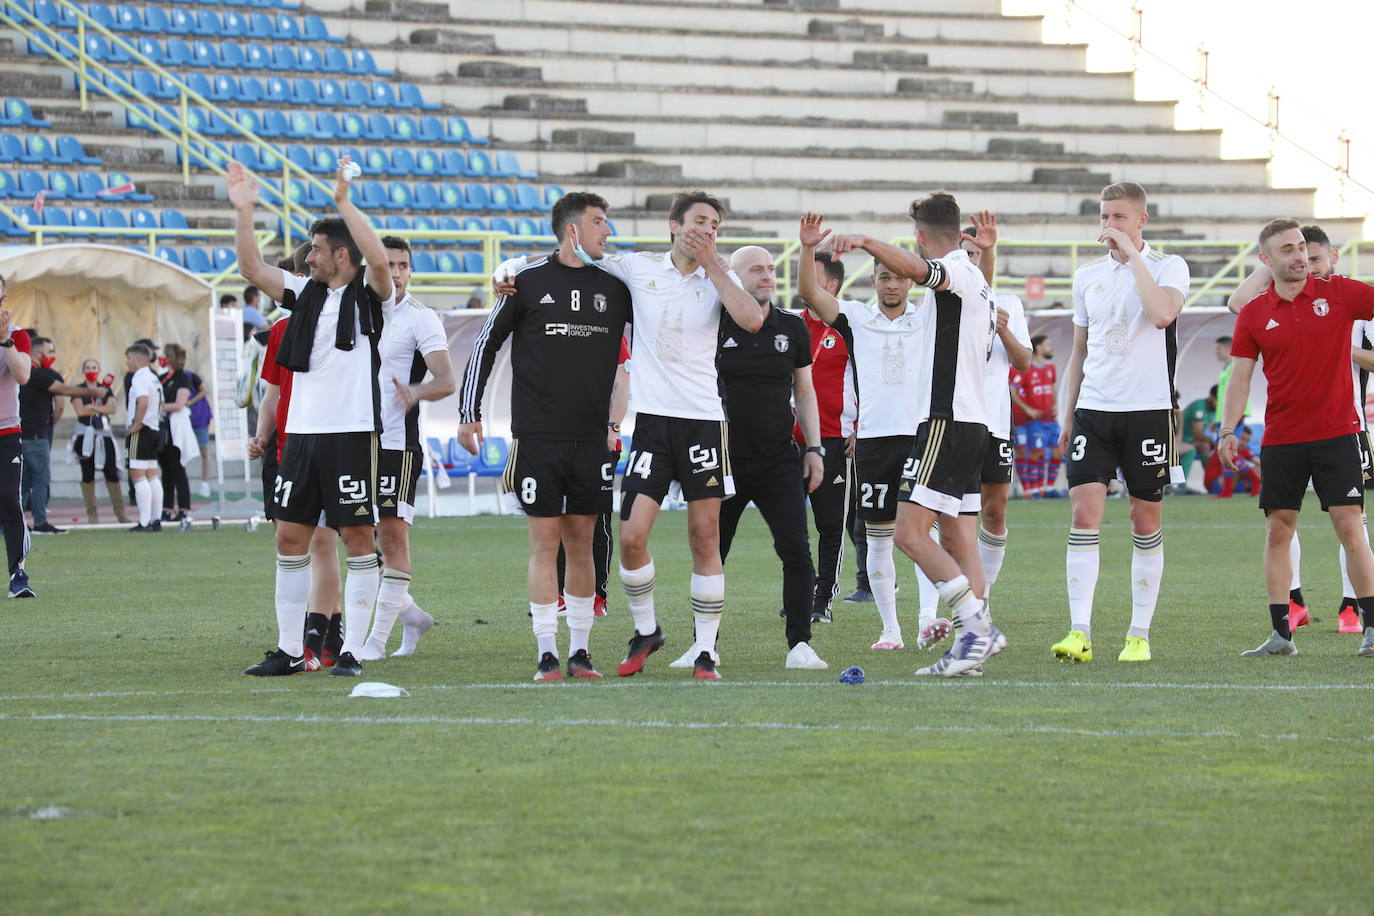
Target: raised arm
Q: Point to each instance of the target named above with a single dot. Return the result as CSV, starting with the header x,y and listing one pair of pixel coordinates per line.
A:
x,y
243,197
898,260
985,221
1249,288
1237,394
364,236
1160,303
747,313
820,301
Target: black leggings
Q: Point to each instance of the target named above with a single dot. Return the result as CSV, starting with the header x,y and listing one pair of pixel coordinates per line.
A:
x,y
176,487
111,464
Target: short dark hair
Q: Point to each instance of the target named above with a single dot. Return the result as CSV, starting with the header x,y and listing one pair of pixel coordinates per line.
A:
x,y
148,344
686,200
336,235
140,349
834,267
570,207
1224,339
939,211
1038,339
36,342
250,293
227,298
298,263
1275,226
1315,235
1213,391
395,242
287,264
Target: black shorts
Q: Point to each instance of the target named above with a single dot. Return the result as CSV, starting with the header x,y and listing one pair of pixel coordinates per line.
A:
x,y
878,467
998,460
1333,466
693,453
269,479
1138,442
1366,459
945,474
398,472
550,477
144,445
330,473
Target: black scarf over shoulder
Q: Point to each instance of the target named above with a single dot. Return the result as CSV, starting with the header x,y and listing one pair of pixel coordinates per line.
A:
x,y
299,338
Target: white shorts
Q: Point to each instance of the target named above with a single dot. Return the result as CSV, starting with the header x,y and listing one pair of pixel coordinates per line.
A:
x,y
142,464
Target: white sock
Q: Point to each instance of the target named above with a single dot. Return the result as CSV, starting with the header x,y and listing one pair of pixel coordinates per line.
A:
x,y
415,623
293,592
882,575
1147,569
544,619
143,497
639,593
708,601
965,608
155,498
581,613
992,548
1081,566
392,595
359,595
1295,557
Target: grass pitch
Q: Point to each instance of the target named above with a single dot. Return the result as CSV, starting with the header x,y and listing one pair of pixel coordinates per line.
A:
x,y
142,773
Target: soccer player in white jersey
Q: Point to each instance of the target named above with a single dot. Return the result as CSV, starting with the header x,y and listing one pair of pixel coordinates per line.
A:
x,y
888,343
1118,412
943,474
329,464
413,345
680,432
1322,260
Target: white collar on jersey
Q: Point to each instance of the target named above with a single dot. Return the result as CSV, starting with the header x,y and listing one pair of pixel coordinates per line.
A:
x,y
1145,250
668,265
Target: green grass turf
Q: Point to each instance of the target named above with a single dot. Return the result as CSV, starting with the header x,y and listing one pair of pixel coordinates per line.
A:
x,y
1200,782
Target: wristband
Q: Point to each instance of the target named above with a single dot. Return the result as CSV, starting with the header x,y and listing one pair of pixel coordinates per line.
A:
x,y
614,427
1226,432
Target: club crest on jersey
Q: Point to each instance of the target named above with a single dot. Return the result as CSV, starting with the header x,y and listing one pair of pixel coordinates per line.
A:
x,y
828,342
698,295
781,343
1320,307
599,302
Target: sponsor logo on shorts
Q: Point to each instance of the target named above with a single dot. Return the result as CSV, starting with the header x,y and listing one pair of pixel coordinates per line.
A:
x,y
1154,453
705,459
712,482
352,491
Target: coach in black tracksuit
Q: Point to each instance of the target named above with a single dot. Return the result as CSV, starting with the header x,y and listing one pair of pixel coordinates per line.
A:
x,y
762,374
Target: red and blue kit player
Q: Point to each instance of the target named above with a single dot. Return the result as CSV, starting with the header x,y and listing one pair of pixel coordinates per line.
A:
x,y
1037,429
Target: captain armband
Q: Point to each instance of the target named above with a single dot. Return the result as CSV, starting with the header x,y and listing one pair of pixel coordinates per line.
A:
x,y
935,277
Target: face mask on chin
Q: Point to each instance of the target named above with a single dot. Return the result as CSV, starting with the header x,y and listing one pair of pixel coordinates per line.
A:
x,y
582,253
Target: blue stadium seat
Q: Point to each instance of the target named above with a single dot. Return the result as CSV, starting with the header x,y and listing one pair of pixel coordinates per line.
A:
x,y
234,58
274,124
255,56
426,163
552,194
473,263
501,224
411,98
403,126
454,163
233,25
381,96
450,196
310,60
30,183
474,224
363,63
475,197
352,152
204,54
284,58
248,119
97,48
479,163
142,219
128,18
175,219
323,161
446,263
297,156
87,185
60,185
355,93
208,25
197,261
327,126
111,218
199,83
335,60
155,21
460,132
314,29
399,195
151,48
330,92
12,149
508,166
431,130
353,127
223,258
371,195
27,215
527,198
225,88
395,223
379,128
427,196
402,162
494,453
526,226
8,227
422,262
276,90
84,218
304,92
101,14
502,199
287,28
546,226
117,54
169,254
375,161
178,53
423,223
56,216
180,22
260,26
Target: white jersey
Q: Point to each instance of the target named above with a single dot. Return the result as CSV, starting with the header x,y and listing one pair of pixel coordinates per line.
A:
x,y
1130,362
962,324
145,384
676,333
338,394
409,326
887,356
997,381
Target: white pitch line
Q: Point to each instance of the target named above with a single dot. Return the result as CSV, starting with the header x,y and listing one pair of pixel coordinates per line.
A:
x,y
963,683
694,726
